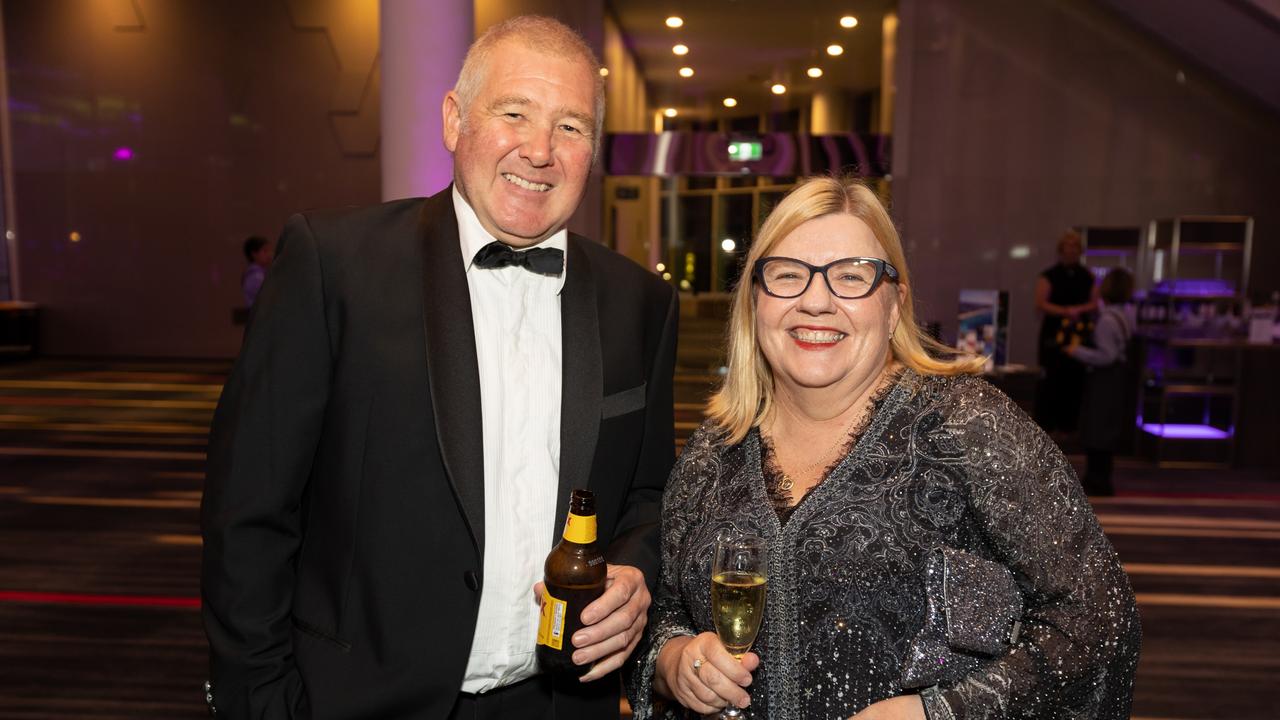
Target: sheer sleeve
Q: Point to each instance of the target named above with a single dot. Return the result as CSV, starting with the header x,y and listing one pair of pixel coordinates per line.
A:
x,y
669,616
1078,648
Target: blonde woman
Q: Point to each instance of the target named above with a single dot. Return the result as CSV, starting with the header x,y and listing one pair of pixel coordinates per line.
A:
x,y
856,445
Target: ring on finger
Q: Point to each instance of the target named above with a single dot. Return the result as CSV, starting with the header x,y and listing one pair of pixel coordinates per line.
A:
x,y
697,664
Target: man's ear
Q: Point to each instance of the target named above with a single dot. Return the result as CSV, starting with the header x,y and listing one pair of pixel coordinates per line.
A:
x,y
451,114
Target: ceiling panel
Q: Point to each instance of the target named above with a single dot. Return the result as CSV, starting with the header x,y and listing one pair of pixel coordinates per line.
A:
x,y
739,48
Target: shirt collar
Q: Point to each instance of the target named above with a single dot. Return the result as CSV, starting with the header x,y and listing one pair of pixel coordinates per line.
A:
x,y
473,236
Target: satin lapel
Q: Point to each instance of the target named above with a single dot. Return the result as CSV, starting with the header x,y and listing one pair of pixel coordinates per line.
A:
x,y
582,377
453,371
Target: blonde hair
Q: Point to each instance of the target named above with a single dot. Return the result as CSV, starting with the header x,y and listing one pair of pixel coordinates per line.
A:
x,y
746,395
541,34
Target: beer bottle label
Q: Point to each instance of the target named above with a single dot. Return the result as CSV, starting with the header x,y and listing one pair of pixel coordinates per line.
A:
x,y
551,624
580,529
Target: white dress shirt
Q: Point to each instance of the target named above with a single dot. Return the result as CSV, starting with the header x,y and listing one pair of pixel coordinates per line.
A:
x,y
516,314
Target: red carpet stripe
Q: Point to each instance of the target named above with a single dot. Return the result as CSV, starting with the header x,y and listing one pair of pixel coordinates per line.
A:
x,y
58,598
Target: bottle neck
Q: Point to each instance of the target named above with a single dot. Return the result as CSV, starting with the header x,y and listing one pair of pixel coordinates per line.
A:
x,y
580,529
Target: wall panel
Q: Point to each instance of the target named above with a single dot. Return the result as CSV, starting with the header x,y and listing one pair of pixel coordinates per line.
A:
x,y
166,132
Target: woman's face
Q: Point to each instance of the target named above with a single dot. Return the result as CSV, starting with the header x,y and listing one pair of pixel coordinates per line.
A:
x,y
818,340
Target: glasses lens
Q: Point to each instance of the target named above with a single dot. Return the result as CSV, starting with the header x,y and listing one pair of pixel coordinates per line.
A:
x,y
784,277
852,279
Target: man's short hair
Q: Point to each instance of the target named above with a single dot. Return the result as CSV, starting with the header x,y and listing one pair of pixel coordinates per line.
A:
x,y
252,245
540,34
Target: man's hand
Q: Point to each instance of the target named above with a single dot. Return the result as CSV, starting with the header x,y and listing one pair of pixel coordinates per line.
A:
x,y
614,622
903,707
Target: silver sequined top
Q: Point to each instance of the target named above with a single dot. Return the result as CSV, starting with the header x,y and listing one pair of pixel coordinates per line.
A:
x,y
941,461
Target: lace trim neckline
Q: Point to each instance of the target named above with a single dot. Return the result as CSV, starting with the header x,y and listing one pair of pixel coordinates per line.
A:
x,y
779,492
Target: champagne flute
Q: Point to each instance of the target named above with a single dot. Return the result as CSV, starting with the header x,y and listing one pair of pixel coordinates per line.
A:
x,y
738,576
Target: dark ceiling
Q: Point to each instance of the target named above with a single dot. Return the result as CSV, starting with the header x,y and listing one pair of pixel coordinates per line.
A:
x,y
1237,40
739,48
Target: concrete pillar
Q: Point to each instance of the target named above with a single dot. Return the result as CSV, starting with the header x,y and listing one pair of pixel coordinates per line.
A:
x,y
830,112
423,44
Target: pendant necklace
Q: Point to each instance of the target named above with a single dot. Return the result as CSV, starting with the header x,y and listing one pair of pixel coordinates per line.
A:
x,y
786,483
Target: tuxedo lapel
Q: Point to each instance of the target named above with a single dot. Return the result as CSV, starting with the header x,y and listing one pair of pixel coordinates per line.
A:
x,y
582,376
453,371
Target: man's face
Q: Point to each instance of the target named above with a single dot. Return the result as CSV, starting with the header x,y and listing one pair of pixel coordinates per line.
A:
x,y
523,149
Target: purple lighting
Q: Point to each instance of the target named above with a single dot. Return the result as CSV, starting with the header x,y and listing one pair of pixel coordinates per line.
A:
x,y
123,153
1178,431
1205,287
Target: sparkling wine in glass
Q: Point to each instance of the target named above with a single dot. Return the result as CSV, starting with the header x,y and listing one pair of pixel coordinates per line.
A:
x,y
738,577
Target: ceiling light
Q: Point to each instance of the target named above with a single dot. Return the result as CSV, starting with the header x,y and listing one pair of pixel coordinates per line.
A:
x,y
680,49
778,89
676,21
604,72
728,245
730,102
834,49
814,72
848,21
670,112
686,72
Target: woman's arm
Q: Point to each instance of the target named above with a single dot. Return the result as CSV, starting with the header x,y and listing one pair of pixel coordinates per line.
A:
x,y
1044,307
668,616
1080,632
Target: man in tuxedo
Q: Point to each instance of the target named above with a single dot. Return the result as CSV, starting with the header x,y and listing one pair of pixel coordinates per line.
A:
x,y
422,384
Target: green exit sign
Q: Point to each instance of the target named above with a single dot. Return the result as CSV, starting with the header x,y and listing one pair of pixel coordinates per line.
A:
x,y
746,150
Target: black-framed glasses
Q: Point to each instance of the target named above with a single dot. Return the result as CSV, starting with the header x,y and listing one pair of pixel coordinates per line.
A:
x,y
848,278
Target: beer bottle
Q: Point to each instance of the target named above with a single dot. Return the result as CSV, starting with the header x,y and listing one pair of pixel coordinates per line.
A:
x,y
573,577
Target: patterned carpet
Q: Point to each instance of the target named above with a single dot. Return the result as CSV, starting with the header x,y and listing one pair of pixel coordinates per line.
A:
x,y
101,466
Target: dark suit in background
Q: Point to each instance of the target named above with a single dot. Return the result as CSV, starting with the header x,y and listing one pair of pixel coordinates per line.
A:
x,y
343,515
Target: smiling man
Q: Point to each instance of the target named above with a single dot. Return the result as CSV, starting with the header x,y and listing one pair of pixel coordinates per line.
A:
x,y
422,384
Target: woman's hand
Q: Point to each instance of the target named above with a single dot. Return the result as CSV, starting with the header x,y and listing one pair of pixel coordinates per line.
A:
x,y
903,707
701,675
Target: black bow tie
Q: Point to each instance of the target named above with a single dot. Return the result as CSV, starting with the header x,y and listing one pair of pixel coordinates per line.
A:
x,y
544,261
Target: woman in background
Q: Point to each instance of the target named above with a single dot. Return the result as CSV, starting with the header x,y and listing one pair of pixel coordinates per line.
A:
x,y
1065,300
1106,408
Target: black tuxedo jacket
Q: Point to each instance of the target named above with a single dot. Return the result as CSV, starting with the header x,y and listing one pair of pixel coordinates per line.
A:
x,y
343,513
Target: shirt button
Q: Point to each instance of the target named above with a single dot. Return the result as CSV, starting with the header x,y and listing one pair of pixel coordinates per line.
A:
x,y
471,579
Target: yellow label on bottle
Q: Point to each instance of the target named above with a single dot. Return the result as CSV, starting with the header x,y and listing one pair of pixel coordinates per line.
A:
x,y
580,529
551,624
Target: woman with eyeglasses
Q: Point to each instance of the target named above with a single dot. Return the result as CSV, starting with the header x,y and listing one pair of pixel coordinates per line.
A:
x,y
856,446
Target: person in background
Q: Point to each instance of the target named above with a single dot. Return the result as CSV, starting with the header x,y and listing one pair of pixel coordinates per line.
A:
x,y
1065,296
423,384
257,251
857,447
1104,410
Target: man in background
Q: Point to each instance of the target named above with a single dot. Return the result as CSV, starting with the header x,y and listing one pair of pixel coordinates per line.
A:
x,y
257,251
